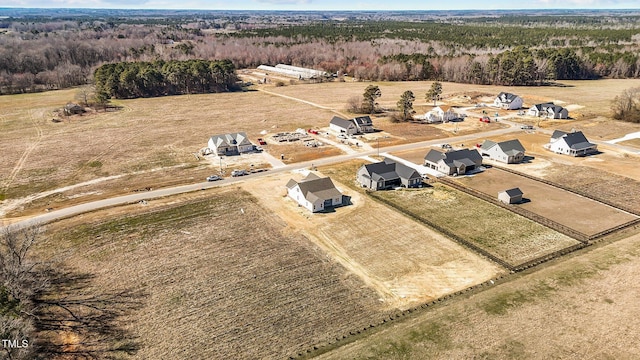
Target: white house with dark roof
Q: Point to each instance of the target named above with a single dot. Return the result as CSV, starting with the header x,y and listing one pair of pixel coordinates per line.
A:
x,y
510,196
574,144
509,152
508,101
230,144
358,125
455,162
315,193
548,110
387,174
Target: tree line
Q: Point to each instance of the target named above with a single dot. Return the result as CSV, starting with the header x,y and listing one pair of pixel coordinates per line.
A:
x,y
59,53
127,80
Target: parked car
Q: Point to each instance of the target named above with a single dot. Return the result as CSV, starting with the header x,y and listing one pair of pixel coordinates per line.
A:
x,y
258,148
485,119
261,141
526,127
213,178
236,173
342,136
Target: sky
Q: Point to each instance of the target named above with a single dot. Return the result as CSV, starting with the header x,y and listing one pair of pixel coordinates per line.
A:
x,y
326,4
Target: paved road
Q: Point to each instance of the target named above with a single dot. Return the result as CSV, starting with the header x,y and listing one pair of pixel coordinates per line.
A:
x,y
148,195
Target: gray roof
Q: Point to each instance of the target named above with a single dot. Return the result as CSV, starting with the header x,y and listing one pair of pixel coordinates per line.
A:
x,y
507,97
314,187
363,120
577,141
233,139
340,122
543,106
513,192
449,157
557,134
511,147
389,170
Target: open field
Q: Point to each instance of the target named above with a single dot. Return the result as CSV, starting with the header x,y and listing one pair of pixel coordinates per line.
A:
x,y
508,236
405,262
147,134
579,213
220,283
584,307
633,143
156,134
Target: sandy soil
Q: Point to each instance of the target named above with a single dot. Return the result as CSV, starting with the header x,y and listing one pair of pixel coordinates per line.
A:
x,y
577,212
407,269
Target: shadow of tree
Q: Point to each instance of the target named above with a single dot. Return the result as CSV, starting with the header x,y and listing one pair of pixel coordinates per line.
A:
x,y
75,319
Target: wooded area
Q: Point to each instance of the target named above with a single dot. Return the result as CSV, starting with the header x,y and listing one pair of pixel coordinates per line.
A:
x,y
39,53
127,80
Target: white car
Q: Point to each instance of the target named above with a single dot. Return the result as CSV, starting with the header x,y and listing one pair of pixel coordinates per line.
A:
x,y
213,178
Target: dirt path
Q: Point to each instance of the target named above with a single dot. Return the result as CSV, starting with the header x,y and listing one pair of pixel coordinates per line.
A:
x,y
25,155
304,102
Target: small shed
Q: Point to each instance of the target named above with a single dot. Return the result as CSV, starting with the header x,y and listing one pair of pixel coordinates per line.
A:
x,y
511,196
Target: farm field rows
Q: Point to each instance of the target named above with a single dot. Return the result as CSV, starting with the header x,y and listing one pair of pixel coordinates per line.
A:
x,y
217,284
405,262
581,307
579,213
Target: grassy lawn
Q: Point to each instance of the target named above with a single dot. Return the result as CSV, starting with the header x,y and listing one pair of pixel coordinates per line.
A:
x,y
496,230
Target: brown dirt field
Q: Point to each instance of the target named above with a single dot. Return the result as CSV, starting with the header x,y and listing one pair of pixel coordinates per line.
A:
x,y
579,213
218,283
418,266
296,151
633,143
146,134
581,308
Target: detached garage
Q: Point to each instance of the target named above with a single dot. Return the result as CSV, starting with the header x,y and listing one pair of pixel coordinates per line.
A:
x,y
511,196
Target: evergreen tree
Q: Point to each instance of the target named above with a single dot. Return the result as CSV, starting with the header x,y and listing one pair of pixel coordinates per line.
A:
x,y
369,104
434,92
405,104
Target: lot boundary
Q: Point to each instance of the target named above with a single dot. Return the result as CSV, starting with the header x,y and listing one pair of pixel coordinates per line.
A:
x,y
563,229
566,188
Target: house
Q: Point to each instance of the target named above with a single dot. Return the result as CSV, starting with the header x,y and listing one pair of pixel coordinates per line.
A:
x,y
510,151
511,196
443,113
363,124
358,125
230,144
574,144
315,193
455,162
341,125
508,101
387,174
549,110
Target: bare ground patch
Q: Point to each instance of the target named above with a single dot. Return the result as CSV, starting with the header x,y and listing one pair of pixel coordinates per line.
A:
x,y
580,308
579,213
405,262
221,282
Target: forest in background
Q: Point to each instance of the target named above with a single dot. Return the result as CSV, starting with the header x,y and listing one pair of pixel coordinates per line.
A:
x,y
41,50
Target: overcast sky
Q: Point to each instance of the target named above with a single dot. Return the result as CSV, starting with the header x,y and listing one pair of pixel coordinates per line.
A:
x,y
326,4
